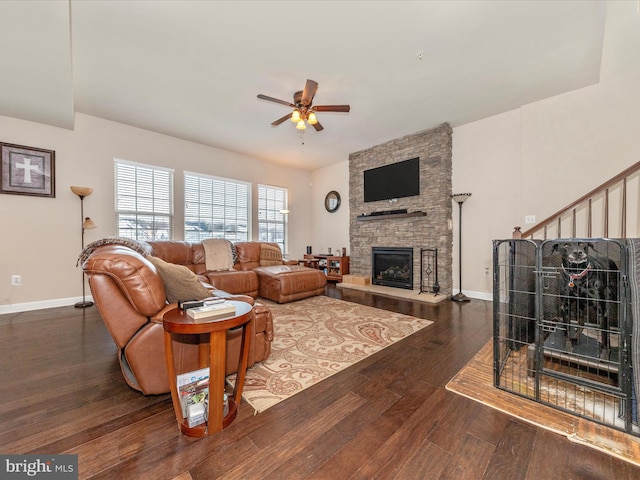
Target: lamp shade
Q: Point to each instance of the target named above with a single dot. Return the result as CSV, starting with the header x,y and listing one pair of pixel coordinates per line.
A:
x,y
460,197
88,224
82,191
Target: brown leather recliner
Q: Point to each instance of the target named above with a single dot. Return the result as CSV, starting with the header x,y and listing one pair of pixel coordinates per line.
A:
x,y
131,299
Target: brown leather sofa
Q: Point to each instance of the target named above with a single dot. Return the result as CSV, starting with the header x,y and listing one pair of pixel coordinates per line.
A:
x,y
253,273
131,298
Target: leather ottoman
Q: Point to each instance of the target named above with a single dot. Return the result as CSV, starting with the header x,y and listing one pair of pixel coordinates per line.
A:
x,y
286,283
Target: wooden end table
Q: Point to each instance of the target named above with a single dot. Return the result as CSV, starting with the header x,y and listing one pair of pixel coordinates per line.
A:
x,y
213,353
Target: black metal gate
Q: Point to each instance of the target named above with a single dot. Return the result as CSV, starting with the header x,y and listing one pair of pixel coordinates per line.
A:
x,y
562,326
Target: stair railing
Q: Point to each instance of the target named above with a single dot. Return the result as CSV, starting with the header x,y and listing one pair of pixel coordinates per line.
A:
x,y
585,203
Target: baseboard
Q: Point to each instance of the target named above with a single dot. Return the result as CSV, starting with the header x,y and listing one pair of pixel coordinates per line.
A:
x,y
408,294
65,302
479,295
40,305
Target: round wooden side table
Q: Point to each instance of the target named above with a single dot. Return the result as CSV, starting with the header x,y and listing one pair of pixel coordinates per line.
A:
x,y
213,355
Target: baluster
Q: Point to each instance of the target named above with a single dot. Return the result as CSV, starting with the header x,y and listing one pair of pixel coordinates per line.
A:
x,y
623,227
606,213
589,220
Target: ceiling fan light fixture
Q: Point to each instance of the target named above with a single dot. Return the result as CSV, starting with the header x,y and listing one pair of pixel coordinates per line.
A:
x,y
302,110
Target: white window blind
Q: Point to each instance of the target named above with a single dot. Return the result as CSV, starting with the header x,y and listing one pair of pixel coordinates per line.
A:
x,y
144,201
271,221
216,208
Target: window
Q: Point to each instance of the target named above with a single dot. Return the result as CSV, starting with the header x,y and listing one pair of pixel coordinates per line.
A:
x,y
144,201
272,201
215,208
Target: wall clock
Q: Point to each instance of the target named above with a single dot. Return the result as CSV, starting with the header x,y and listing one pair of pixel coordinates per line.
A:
x,y
332,201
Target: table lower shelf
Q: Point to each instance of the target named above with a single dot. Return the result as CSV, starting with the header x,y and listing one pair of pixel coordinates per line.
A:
x,y
202,430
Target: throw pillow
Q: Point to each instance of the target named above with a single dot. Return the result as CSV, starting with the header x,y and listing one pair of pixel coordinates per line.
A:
x,y
180,283
270,255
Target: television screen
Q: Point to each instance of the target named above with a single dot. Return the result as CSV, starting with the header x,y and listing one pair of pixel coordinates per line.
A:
x,y
397,180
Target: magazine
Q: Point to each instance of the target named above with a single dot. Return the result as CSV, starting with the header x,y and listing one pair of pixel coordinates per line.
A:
x,y
193,388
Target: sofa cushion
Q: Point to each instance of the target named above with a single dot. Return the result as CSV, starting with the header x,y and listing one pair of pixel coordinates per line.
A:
x,y
270,254
172,251
180,283
248,254
235,282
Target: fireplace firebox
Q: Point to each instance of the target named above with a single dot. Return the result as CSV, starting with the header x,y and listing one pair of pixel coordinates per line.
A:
x,y
392,266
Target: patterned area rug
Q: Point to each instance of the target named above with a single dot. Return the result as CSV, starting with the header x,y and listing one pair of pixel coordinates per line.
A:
x,y
315,338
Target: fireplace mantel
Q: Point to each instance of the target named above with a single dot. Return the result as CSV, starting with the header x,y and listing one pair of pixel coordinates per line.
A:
x,y
365,217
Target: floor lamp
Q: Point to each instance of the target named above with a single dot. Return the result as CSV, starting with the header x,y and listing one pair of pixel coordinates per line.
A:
x,y
86,224
460,198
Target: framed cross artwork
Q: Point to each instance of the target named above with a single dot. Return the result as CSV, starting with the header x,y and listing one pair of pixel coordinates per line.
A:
x,y
27,171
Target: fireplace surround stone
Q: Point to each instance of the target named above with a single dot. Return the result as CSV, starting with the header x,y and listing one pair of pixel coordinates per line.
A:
x,y
433,230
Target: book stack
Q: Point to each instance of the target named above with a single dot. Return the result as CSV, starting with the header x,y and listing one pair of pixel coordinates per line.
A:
x,y
212,310
193,391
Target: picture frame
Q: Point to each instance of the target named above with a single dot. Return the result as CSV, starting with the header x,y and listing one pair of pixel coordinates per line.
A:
x,y
27,170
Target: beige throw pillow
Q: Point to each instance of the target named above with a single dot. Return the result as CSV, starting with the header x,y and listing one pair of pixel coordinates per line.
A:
x,y
180,283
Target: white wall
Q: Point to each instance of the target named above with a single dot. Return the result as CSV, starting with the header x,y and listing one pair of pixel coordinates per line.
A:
x,y
543,156
533,160
41,236
330,230
487,164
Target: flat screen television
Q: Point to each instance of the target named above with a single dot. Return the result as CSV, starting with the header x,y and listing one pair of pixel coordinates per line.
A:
x,y
396,180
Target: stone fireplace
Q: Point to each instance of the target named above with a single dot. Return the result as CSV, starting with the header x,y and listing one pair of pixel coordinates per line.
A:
x,y
392,266
430,229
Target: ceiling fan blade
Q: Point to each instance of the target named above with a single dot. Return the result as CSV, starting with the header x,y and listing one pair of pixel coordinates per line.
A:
x,y
331,108
309,92
283,119
317,126
271,99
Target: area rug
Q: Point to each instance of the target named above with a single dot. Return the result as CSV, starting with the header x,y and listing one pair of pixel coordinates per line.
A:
x,y
475,381
315,338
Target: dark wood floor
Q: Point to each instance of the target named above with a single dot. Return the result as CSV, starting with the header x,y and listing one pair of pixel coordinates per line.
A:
x,y
388,417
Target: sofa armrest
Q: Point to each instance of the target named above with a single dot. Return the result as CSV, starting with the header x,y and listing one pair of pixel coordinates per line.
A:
x,y
231,296
157,318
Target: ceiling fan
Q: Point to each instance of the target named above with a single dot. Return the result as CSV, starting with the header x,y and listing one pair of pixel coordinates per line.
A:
x,y
303,108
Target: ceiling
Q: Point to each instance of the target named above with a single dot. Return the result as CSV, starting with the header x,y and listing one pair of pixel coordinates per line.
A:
x,y
192,69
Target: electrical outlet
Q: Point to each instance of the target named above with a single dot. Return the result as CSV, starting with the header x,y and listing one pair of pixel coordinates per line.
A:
x,y
530,219
16,280
486,271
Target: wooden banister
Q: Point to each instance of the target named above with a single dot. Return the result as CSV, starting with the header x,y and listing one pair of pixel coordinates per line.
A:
x,y
603,189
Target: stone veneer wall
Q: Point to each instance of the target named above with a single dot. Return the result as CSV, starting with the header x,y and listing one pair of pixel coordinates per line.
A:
x,y
433,147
